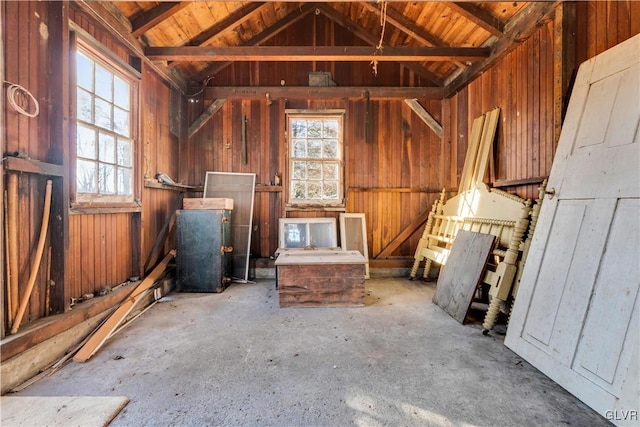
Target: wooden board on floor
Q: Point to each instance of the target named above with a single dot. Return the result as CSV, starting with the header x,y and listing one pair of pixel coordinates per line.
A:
x,y
462,273
60,410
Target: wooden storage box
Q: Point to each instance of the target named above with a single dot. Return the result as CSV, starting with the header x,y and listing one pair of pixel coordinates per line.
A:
x,y
320,278
208,203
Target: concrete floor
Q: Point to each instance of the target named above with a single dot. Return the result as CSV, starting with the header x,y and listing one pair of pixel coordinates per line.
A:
x,y
236,358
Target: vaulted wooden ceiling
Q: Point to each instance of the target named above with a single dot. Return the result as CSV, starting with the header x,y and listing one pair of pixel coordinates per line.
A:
x,y
446,43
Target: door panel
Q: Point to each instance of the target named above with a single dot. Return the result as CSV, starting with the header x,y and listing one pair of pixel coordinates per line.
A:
x,y
576,315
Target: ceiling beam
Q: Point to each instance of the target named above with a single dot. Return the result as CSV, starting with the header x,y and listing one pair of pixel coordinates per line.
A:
x,y
268,33
153,17
332,92
235,18
314,53
479,16
373,40
517,30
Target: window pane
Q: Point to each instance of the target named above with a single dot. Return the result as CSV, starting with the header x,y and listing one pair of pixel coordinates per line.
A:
x,y
298,190
85,142
330,171
321,234
330,190
84,71
298,128
299,148
85,176
83,106
104,83
314,129
121,93
295,235
314,190
107,148
106,179
103,114
124,152
330,149
330,129
314,148
124,181
121,121
314,170
299,170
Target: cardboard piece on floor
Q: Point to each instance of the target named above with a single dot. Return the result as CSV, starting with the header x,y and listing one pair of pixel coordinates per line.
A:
x,y
461,275
60,410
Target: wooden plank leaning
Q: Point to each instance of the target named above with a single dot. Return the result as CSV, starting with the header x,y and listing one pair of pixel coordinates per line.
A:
x,y
101,335
36,260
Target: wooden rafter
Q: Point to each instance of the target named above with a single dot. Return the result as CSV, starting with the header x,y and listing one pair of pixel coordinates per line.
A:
x,y
153,17
410,28
518,29
332,92
314,53
399,21
268,33
365,35
479,17
235,18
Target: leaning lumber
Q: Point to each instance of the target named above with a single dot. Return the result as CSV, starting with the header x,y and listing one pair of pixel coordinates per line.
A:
x,y
101,335
36,260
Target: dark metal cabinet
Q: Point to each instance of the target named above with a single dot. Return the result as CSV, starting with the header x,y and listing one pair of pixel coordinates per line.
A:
x,y
203,250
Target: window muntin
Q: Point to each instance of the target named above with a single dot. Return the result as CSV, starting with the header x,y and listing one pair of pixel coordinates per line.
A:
x,y
315,159
104,143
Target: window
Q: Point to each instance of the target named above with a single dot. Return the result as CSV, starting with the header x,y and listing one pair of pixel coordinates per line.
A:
x,y
315,158
105,124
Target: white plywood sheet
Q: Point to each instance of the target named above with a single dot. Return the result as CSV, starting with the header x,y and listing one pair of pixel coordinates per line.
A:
x,y
86,411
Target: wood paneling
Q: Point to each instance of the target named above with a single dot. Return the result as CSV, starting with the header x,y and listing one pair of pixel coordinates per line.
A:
x,y
522,86
394,177
103,249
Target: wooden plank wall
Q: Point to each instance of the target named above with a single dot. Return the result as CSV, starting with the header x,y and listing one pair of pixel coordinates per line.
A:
x,y
104,249
27,136
392,179
522,86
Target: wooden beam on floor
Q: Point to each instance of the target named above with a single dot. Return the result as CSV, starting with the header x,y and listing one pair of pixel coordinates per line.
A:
x,y
101,335
47,327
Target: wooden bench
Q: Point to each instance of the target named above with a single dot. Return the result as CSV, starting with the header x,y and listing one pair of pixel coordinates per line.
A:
x,y
483,210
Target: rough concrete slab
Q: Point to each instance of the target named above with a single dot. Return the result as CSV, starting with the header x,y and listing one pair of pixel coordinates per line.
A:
x,y
236,358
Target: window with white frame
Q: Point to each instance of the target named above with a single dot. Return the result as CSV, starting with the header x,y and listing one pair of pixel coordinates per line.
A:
x,y
315,157
105,130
